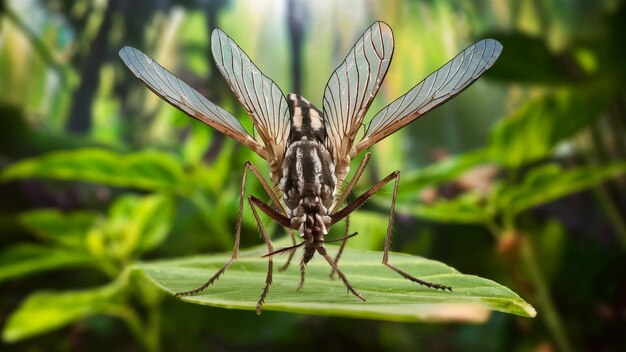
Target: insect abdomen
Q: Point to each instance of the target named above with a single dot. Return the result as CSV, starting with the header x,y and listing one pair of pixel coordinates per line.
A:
x,y
308,172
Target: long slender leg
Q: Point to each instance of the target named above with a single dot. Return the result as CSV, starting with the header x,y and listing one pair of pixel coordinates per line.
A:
x,y
270,263
291,253
307,255
322,251
364,197
248,166
271,212
302,272
342,246
357,176
276,203
344,195
266,186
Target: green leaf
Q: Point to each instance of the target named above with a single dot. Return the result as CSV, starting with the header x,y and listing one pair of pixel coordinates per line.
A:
x,y
45,311
26,259
142,223
150,170
551,182
443,171
533,131
468,208
196,144
528,59
65,229
388,295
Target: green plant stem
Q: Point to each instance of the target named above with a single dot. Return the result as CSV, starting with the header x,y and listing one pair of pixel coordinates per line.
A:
x,y
134,323
611,211
153,327
543,299
109,268
152,298
148,332
607,204
550,315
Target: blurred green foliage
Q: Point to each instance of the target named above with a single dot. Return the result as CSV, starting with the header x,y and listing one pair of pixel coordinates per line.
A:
x,y
109,244
520,179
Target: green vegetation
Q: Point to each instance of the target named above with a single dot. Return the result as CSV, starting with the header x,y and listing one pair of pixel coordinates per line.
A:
x,y
113,200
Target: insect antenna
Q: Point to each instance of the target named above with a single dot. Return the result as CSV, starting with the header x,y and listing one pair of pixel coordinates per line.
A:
x,y
284,250
342,238
294,247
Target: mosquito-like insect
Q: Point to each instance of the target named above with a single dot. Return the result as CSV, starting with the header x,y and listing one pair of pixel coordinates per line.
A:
x,y
309,150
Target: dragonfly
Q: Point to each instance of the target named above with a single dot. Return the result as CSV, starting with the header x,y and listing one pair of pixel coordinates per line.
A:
x,y
309,150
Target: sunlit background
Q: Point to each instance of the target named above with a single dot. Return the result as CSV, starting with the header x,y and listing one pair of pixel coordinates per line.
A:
x,y
520,179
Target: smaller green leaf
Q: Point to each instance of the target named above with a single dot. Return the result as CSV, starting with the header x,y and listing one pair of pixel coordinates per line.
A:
x,y
388,295
143,222
216,177
65,229
528,59
196,144
550,182
150,170
443,171
468,208
134,225
45,311
27,259
532,132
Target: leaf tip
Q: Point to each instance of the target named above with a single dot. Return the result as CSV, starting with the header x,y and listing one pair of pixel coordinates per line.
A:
x,y
530,310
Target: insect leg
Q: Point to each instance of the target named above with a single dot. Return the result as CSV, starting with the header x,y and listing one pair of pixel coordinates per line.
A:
x,y
342,246
344,195
291,253
388,244
266,187
364,197
354,180
278,206
271,212
348,209
270,263
248,166
306,257
302,272
322,251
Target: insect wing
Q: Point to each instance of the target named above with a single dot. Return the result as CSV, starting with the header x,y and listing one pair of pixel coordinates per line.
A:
x,y
351,89
181,95
260,96
439,87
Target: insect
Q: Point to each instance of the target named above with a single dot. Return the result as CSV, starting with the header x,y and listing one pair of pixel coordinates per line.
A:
x,y
309,150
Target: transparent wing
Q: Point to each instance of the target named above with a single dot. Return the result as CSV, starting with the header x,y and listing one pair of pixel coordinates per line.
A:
x,y
352,88
260,96
439,87
178,93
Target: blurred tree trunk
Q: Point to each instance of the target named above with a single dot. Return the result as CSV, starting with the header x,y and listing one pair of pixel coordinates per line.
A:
x,y
296,26
212,9
79,120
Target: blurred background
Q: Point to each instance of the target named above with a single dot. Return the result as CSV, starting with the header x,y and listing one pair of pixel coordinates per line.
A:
x,y
520,179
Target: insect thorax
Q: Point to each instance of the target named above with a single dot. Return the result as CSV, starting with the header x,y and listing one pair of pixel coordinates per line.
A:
x,y
308,180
